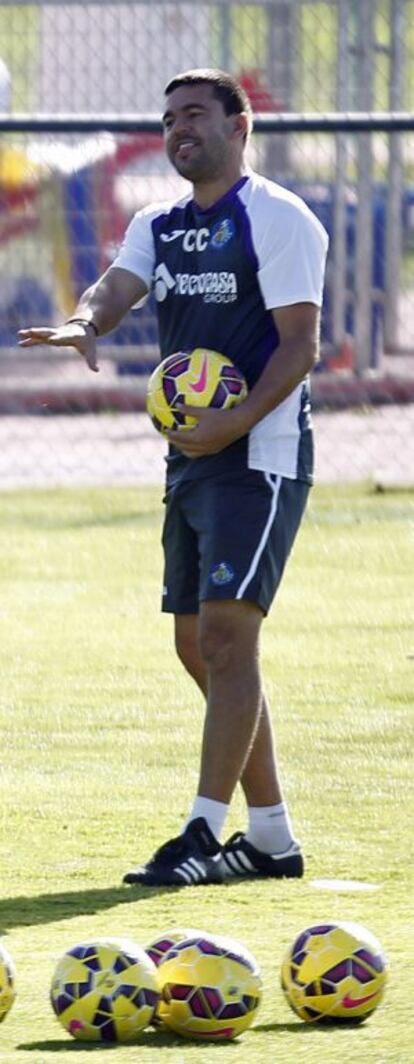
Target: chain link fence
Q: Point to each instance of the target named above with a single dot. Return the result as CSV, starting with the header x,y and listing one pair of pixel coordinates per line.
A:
x,y
67,196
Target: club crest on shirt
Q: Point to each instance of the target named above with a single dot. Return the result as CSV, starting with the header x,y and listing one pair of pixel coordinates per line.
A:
x,y
221,574
221,233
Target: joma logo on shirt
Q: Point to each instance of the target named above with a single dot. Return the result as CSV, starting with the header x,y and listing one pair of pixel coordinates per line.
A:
x,y
200,239
193,239
213,286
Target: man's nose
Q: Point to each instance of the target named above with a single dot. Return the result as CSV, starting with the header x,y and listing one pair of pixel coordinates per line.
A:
x,y
182,125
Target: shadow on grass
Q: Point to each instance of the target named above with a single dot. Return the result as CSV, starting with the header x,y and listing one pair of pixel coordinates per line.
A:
x,y
57,1045
293,1026
26,911
29,910
162,1039
307,1028
149,1038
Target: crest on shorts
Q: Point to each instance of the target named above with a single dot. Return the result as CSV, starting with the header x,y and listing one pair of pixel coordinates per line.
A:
x,y
223,573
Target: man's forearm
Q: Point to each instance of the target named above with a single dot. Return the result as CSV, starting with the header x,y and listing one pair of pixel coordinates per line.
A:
x,y
94,307
107,301
285,369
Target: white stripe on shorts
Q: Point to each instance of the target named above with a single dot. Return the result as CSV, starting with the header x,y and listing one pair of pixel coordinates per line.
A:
x,y
274,485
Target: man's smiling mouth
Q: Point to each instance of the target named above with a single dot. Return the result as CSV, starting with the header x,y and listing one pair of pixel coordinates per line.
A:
x,y
185,146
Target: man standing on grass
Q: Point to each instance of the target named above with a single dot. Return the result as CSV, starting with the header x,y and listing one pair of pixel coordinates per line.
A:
x,y
237,266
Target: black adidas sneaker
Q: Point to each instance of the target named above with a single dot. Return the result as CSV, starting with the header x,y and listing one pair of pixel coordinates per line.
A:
x,y
186,861
241,859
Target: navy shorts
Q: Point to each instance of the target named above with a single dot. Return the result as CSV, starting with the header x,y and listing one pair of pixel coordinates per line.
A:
x,y
229,537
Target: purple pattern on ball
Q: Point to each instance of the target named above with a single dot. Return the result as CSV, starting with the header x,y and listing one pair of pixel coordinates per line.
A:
x,y
374,959
235,387
123,990
311,990
178,365
339,972
208,947
163,945
83,952
108,1032
219,397
77,990
213,998
151,997
129,958
197,1006
300,943
322,929
360,973
294,975
230,1012
327,988
61,1003
170,390
312,1014
120,964
179,991
104,1009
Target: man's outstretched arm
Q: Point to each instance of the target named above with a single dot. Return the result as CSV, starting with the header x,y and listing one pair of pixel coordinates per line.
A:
x,y
99,310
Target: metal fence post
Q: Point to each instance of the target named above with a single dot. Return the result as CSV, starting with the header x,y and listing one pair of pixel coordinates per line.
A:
x,y
339,280
280,50
395,179
364,48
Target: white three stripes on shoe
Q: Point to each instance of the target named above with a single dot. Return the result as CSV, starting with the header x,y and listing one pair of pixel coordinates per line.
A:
x,y
238,862
191,871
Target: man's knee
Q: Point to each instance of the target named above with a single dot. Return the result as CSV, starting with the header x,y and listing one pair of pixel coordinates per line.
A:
x,y
228,634
216,647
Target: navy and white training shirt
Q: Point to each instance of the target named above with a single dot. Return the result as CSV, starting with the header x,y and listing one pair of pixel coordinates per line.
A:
x,y
216,275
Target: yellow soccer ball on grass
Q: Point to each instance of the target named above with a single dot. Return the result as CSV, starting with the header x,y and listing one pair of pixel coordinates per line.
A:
x,y
334,972
7,982
210,988
106,990
200,378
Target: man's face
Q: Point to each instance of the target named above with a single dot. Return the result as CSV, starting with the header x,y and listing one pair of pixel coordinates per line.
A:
x,y
199,136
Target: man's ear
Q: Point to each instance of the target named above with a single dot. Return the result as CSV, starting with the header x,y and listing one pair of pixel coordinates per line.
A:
x,y
241,125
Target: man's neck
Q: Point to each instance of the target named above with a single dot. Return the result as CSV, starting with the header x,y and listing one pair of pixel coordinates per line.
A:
x,y
209,192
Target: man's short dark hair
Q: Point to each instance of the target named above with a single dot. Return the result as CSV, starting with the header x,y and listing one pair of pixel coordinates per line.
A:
x,y
225,88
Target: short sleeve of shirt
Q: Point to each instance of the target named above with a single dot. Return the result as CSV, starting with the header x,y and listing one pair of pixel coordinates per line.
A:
x,y
291,246
137,252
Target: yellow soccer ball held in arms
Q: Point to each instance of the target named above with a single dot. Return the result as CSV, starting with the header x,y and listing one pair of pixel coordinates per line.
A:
x,y
198,378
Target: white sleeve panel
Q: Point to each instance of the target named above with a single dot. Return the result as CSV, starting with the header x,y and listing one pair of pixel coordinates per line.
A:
x,y
137,252
291,246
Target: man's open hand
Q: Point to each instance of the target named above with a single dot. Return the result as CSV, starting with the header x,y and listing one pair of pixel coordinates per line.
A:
x,y
74,334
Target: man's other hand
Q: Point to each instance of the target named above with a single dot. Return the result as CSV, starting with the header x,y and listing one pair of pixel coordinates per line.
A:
x,y
73,334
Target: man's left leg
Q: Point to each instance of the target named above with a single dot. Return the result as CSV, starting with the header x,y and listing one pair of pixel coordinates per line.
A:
x,y
270,830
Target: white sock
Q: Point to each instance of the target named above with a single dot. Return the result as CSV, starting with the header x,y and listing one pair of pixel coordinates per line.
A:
x,y
213,812
270,829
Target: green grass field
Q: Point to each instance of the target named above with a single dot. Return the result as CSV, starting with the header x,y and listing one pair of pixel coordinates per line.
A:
x,y
100,734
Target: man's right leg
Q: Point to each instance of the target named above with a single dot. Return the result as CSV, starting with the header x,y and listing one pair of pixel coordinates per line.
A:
x,y
195,855
260,780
